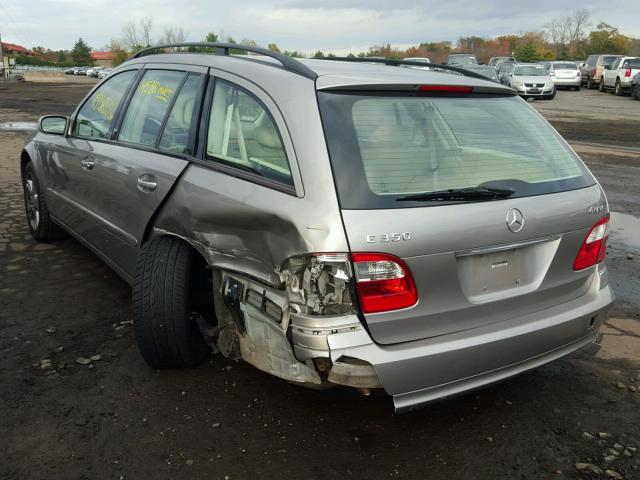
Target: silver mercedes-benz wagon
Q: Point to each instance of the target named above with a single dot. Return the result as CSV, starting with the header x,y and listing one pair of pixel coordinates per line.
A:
x,y
331,222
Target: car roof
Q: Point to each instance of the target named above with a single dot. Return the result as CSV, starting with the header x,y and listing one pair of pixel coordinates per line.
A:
x,y
331,74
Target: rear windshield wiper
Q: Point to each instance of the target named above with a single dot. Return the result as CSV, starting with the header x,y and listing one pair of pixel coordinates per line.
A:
x,y
463,194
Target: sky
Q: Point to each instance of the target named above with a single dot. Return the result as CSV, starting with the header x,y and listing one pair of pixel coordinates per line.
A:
x,y
338,26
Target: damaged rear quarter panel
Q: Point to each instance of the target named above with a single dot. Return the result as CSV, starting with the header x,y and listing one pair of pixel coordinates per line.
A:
x,y
245,227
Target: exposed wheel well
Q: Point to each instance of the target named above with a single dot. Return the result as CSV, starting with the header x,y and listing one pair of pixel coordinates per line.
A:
x,y
24,159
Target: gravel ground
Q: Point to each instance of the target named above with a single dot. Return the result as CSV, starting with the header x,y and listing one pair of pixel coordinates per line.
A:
x,y
114,418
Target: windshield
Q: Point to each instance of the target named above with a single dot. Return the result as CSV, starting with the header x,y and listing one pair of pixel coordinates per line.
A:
x,y
462,60
530,71
387,147
564,66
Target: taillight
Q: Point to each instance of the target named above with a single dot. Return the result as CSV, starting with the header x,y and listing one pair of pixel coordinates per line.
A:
x,y
627,73
446,88
594,247
383,282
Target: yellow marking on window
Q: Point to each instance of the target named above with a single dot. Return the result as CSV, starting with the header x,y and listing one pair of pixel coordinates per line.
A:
x,y
157,89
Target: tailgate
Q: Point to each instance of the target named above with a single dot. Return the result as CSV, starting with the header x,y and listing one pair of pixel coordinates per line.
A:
x,y
437,180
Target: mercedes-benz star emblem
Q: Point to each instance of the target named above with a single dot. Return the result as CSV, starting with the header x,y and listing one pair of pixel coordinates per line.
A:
x,y
515,220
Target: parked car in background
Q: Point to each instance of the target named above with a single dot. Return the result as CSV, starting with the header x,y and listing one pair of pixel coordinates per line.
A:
x,y
484,70
69,71
496,61
461,59
564,74
618,75
635,87
93,72
327,240
104,72
528,79
593,69
80,70
418,59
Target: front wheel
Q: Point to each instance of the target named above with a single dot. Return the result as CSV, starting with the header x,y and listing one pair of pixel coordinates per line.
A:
x,y
40,224
601,85
552,96
164,320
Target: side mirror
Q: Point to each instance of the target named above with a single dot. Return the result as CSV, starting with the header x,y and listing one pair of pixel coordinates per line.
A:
x,y
53,124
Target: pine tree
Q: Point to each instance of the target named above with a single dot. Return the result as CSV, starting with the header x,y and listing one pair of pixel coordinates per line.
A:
x,y
81,53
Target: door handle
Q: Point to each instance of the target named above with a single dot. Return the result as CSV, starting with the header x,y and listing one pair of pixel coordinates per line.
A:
x,y
88,163
146,185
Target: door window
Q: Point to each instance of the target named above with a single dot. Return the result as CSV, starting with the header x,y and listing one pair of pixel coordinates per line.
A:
x,y
148,107
175,136
243,134
96,116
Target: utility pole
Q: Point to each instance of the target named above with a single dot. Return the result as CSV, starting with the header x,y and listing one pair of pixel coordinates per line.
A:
x,y
3,72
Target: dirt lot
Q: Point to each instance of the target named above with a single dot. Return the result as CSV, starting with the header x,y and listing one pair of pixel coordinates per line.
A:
x,y
116,418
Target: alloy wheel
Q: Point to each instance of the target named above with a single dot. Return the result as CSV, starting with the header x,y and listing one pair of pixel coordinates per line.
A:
x,y
32,201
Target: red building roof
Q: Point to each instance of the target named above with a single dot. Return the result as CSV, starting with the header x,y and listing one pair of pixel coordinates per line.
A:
x,y
103,55
13,48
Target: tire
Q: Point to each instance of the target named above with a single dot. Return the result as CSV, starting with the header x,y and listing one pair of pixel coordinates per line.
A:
x,y
618,89
552,96
167,333
589,83
601,85
39,220
635,92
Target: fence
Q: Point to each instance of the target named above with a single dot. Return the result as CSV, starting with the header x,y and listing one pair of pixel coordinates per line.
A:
x,y
37,68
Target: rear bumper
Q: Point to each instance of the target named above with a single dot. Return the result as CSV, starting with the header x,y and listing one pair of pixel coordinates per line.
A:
x,y
418,372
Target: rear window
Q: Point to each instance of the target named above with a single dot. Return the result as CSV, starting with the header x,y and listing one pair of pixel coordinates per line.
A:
x,y
609,60
383,148
633,63
565,66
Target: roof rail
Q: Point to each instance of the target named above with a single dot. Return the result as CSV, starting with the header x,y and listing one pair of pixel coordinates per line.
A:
x,y
288,63
392,62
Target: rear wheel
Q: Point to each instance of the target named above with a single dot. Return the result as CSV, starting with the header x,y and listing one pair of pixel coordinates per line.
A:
x,y
635,92
165,316
589,83
618,89
601,85
40,224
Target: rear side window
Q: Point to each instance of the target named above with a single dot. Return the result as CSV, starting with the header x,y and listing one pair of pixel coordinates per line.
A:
x,y
243,134
149,104
608,60
383,148
96,116
175,136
